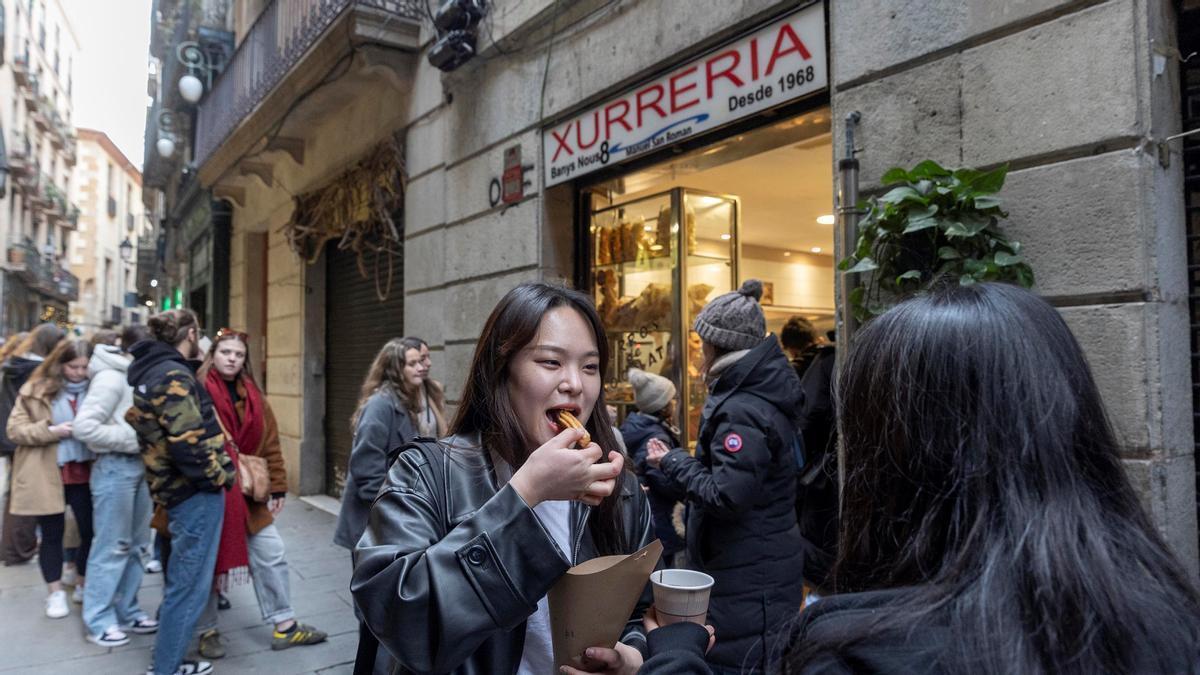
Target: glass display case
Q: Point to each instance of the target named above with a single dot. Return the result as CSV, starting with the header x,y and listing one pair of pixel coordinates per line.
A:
x,y
657,260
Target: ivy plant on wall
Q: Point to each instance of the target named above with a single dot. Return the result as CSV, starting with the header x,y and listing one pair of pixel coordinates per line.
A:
x,y
934,226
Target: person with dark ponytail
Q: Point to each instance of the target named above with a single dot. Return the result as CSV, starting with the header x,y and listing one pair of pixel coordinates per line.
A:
x,y
467,535
188,469
741,485
987,522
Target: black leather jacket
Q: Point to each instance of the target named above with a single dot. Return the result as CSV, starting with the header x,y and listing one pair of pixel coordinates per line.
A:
x,y
451,566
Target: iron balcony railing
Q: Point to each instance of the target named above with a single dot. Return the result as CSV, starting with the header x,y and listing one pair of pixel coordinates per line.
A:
x,y
280,36
42,274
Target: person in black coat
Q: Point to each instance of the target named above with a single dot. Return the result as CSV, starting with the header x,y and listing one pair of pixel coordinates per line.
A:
x,y
817,489
741,485
988,524
654,396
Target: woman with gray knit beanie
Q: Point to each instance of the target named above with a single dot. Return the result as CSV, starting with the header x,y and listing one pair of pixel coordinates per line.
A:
x,y
741,484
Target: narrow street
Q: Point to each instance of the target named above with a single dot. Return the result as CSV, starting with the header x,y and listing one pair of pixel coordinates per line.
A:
x,y
320,578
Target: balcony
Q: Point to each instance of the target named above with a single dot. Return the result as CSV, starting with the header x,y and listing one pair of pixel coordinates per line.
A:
x,y
30,95
21,71
69,151
288,50
41,274
29,183
42,114
20,159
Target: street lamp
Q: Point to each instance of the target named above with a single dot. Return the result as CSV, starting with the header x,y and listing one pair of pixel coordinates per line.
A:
x,y
192,55
126,250
166,134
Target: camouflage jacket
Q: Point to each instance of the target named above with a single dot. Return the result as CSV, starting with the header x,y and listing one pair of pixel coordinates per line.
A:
x,y
178,433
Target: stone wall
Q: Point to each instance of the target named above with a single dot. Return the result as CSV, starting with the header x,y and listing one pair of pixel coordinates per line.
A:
x,y
1065,93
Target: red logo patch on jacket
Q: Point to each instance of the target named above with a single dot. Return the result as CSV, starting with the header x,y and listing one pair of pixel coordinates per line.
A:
x,y
733,443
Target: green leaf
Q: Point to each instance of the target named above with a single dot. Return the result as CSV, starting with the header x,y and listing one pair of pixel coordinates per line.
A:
x,y
918,224
924,186
986,202
948,253
966,176
864,265
911,274
1004,259
966,280
894,175
901,194
943,190
929,169
846,263
956,229
991,181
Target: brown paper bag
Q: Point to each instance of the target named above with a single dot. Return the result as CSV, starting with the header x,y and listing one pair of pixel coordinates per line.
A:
x,y
590,605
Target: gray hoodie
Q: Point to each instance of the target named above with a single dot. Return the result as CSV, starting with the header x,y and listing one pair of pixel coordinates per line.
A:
x,y
100,422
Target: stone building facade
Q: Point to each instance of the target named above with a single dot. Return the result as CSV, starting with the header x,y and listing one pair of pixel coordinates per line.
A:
x,y
1078,97
37,213
108,192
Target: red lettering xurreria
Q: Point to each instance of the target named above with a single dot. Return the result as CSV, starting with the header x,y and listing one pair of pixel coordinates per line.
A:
x,y
676,91
562,142
595,131
780,50
713,74
610,119
643,105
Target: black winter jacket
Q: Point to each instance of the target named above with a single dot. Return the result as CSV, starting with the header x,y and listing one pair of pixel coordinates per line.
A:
x,y
741,491
451,565
636,431
15,373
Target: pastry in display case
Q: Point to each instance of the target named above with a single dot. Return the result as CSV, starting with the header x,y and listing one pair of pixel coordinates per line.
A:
x,y
650,277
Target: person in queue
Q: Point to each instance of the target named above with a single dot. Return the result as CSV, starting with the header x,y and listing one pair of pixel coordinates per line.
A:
x,y
384,420
453,579
120,499
741,485
988,525
250,542
22,355
52,468
431,397
188,469
654,397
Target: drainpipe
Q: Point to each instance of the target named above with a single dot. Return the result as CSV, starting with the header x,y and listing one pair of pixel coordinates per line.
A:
x,y
847,211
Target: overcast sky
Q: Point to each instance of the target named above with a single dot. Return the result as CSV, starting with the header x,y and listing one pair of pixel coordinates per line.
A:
x,y
110,70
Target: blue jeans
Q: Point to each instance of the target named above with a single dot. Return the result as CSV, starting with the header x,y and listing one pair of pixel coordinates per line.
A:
x,y
269,572
195,526
121,519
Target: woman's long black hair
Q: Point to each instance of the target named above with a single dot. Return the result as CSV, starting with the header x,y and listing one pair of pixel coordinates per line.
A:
x,y
983,476
486,409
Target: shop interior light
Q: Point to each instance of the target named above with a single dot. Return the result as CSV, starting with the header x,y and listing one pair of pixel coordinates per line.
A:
x,y
149,303
154,283
828,219
787,254
726,236
648,228
656,247
816,249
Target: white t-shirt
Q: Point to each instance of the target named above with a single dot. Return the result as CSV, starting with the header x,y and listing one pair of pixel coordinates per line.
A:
x,y
537,658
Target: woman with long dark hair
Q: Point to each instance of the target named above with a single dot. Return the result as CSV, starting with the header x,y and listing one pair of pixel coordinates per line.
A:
x,y
51,468
987,523
467,536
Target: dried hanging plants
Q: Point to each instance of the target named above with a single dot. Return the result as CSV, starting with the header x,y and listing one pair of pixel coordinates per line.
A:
x,y
357,209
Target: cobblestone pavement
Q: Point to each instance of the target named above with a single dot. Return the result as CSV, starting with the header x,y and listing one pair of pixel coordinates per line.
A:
x,y
320,580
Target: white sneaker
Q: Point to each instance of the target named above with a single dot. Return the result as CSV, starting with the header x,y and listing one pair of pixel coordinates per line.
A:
x,y
56,605
113,637
189,668
153,567
77,595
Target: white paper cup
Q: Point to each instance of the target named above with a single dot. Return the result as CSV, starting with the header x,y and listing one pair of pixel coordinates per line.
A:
x,y
681,595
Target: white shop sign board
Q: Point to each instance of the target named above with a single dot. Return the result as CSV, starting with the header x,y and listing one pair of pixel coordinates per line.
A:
x,y
778,63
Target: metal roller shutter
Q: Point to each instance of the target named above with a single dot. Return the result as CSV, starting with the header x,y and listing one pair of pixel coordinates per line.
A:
x,y
357,324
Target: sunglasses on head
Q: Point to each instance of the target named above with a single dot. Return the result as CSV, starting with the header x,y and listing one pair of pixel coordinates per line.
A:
x,y
231,333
